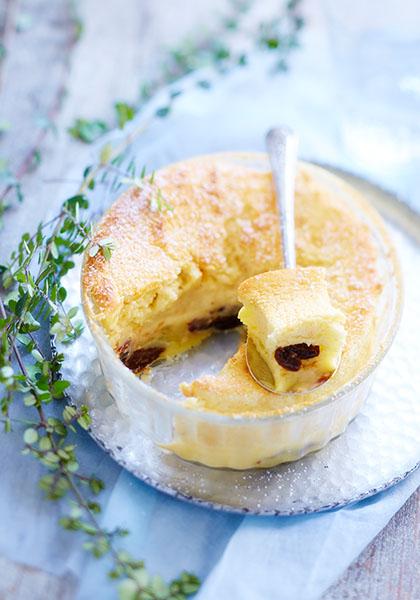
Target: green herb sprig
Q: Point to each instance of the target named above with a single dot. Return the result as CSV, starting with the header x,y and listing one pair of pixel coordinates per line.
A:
x,y
33,277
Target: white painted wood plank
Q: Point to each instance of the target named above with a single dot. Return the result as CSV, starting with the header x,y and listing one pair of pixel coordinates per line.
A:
x,y
21,582
389,567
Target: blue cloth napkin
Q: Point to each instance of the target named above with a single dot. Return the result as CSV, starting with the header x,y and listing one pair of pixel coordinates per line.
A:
x,y
242,558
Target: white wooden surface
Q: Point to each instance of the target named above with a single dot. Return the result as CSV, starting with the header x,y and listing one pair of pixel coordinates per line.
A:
x,y
45,73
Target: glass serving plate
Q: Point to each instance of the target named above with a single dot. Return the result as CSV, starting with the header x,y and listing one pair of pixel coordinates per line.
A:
x,y
134,421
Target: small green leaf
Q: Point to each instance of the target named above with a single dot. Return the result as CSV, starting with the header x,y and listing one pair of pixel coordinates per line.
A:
x,y
88,131
115,573
69,413
190,584
73,466
59,386
6,372
141,577
106,252
96,485
29,400
62,294
125,112
76,203
60,429
204,84
163,112
30,436
106,246
84,421
101,547
36,160
29,324
89,529
272,43
159,588
45,443
53,249
52,457
73,312
37,355
106,154
94,507
127,590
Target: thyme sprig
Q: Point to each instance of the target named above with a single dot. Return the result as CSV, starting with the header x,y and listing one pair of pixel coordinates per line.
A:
x,y
32,278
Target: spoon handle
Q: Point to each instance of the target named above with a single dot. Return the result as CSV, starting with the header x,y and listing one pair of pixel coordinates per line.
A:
x,y
282,144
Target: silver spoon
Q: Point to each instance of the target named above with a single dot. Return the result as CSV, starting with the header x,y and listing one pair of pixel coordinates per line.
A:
x,y
282,144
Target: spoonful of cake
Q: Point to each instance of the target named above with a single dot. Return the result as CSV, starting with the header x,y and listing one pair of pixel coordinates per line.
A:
x,y
295,335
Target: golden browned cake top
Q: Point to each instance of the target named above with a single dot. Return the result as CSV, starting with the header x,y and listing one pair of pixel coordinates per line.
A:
x,y
287,296
184,242
202,201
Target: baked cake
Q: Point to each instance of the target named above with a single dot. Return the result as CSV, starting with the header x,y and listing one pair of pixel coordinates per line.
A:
x,y
187,238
